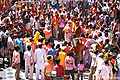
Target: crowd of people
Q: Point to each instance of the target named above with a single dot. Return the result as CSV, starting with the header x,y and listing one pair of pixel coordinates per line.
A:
x,y
90,32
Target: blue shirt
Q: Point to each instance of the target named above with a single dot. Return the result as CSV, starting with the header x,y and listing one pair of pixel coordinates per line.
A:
x,y
52,52
57,6
19,42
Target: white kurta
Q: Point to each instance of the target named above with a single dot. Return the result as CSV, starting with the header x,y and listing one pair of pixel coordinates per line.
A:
x,y
40,58
99,63
28,56
106,73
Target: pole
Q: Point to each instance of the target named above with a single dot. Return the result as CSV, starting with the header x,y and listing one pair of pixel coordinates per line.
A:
x,y
83,4
62,3
42,4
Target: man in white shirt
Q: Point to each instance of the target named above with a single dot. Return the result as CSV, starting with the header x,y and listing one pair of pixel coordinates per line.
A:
x,y
105,8
40,59
29,59
54,10
93,63
101,37
106,71
28,26
32,20
99,63
37,23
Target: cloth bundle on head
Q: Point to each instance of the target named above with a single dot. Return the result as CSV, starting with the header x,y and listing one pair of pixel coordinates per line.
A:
x,y
49,58
14,30
100,54
118,56
108,55
69,21
63,49
97,25
36,37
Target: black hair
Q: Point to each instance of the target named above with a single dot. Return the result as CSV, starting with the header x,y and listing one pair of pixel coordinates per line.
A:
x,y
77,41
29,48
95,36
106,61
46,42
40,45
70,54
81,61
52,45
102,28
11,34
49,57
107,40
57,61
93,27
104,4
74,35
100,34
27,35
41,39
58,46
19,36
87,34
106,33
82,35
106,30
16,47
65,43
96,52
69,44
111,49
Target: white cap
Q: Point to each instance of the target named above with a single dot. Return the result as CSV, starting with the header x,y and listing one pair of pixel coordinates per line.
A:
x,y
100,54
117,33
118,56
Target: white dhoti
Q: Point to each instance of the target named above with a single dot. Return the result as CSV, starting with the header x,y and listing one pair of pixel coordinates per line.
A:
x,y
30,70
38,73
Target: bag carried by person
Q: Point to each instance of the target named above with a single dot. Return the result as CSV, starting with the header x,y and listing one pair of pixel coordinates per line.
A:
x,y
54,72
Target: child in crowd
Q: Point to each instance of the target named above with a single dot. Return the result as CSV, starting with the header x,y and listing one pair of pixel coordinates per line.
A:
x,y
29,59
60,72
48,67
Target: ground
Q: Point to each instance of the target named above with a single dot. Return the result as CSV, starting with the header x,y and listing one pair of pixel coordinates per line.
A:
x,y
9,73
